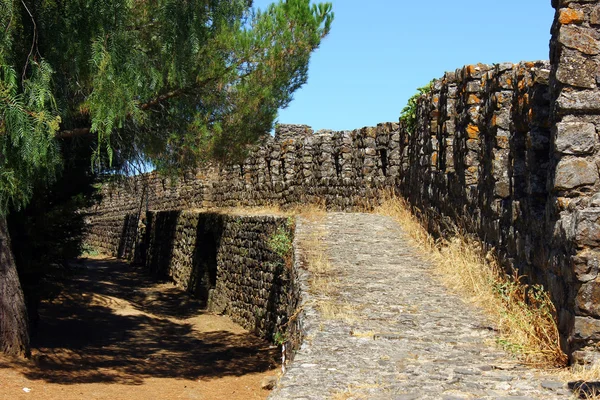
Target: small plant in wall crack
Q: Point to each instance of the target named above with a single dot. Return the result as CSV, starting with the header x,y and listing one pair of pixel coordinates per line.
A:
x,y
279,338
409,113
281,243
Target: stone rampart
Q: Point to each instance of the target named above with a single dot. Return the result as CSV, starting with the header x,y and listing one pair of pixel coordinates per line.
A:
x,y
508,152
241,266
574,184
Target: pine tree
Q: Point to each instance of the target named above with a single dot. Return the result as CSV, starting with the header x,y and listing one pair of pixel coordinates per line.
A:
x,y
172,82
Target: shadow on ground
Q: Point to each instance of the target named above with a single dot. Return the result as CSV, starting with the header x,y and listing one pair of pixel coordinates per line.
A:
x,y
117,325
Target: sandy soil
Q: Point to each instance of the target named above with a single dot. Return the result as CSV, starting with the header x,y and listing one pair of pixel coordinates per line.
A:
x,y
117,334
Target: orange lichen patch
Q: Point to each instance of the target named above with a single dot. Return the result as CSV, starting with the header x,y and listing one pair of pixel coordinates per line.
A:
x,y
471,69
473,99
523,101
500,98
435,100
370,132
529,64
494,120
473,169
563,203
508,81
473,131
570,16
434,159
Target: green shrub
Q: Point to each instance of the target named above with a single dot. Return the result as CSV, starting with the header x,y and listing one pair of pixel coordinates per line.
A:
x,y
409,113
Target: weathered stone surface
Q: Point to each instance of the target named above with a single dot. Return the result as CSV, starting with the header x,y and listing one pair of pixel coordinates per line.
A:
x,y
575,172
587,302
397,339
587,229
586,328
595,15
577,70
586,266
588,100
579,38
228,262
575,101
575,138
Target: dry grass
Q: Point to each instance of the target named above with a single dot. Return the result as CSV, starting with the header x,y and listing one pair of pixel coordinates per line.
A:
x,y
364,335
323,281
311,211
585,380
249,211
523,314
587,373
337,310
323,276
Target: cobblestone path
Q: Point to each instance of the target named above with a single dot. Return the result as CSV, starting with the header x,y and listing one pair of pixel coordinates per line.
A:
x,y
404,336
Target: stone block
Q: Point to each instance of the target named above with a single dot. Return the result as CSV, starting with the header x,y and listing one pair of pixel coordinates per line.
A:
x,y
574,172
579,38
576,138
587,300
586,328
595,15
586,265
570,16
587,227
577,70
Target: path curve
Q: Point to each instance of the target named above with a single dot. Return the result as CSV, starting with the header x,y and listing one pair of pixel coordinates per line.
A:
x,y
409,338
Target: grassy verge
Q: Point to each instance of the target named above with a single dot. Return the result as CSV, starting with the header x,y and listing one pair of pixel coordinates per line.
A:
x,y
523,314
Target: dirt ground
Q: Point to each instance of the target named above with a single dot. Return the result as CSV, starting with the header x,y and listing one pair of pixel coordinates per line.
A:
x,y
117,334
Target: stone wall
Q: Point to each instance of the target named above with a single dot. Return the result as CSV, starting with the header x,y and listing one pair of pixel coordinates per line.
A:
x,y
508,152
241,266
574,199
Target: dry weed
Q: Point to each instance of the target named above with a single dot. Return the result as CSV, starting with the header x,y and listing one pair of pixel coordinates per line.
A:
x,y
336,310
323,282
311,211
524,314
584,380
587,373
364,335
248,211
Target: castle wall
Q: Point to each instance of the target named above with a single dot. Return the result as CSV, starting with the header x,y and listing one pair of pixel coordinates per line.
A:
x,y
508,152
573,208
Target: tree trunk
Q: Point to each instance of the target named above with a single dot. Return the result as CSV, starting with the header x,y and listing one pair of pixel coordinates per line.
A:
x,y
14,331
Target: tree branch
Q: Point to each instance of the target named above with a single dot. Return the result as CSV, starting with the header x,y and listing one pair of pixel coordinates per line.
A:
x,y
78,132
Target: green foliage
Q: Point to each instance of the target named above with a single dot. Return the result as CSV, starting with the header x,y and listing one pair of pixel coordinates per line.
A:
x,y
89,251
169,82
281,243
28,123
409,113
279,338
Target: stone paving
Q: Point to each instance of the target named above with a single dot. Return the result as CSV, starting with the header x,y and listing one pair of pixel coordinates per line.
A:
x,y
406,337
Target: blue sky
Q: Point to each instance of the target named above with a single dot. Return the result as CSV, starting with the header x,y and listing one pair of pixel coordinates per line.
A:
x,y
380,51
